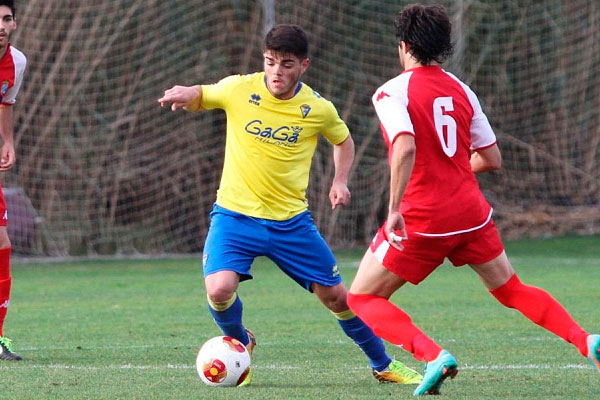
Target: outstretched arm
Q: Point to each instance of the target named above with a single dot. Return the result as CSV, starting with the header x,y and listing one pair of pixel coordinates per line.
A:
x,y
187,97
488,159
7,156
401,165
343,157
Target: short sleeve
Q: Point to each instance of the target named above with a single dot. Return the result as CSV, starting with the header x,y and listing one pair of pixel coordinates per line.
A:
x,y
215,95
20,62
391,105
335,129
482,134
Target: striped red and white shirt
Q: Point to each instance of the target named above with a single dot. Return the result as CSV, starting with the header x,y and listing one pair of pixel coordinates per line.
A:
x,y
443,114
12,69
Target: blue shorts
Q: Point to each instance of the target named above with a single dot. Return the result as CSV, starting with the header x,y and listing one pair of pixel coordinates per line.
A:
x,y
234,240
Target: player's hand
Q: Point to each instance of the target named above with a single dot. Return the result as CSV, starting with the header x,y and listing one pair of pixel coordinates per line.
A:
x,y
395,230
7,157
339,195
178,96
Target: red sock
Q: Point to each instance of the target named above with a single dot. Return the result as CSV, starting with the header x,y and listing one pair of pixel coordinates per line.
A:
x,y
541,308
392,324
5,281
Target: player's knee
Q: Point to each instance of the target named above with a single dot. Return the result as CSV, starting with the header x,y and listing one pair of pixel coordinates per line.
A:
x,y
221,286
4,239
220,291
336,304
333,297
219,295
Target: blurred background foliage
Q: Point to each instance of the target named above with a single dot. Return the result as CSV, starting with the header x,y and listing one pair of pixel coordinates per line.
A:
x,y
103,170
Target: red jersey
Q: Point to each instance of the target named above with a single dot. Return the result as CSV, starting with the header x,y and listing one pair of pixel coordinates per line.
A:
x,y
444,115
12,69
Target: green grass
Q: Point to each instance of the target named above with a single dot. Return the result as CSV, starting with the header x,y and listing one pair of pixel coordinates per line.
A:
x,y
131,330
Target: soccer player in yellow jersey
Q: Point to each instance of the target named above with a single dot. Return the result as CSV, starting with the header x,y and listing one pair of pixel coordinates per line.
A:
x,y
273,123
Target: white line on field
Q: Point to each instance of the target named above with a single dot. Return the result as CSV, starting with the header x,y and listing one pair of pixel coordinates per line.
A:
x,y
272,367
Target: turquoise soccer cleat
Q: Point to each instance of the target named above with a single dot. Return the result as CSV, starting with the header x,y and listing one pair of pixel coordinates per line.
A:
x,y
436,372
593,345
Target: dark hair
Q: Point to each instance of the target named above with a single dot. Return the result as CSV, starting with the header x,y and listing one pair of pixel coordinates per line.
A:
x,y
10,4
426,30
287,39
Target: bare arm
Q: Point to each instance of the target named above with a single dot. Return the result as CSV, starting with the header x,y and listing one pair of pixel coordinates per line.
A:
x,y
488,159
343,157
7,156
186,97
403,160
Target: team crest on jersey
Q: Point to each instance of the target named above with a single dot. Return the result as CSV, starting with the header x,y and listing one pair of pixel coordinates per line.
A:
x,y
254,99
305,108
3,89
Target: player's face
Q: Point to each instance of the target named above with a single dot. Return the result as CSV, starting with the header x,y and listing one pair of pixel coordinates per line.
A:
x,y
283,72
7,25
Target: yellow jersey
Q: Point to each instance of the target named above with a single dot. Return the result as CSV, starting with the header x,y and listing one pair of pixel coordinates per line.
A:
x,y
269,144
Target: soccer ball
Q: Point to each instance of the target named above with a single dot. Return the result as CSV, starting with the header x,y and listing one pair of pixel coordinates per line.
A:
x,y
223,361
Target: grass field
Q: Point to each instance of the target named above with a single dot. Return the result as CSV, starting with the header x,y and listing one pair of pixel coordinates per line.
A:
x,y
131,330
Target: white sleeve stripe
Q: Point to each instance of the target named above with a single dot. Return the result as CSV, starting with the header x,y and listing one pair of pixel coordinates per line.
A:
x,y
391,106
482,134
20,62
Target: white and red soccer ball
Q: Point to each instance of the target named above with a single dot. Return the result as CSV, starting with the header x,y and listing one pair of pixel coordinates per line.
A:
x,y
223,361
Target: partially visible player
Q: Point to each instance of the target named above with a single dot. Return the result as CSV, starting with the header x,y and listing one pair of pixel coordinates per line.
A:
x,y
273,123
438,139
12,68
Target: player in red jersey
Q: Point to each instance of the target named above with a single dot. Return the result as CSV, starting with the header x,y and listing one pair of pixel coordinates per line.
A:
x,y
438,139
12,68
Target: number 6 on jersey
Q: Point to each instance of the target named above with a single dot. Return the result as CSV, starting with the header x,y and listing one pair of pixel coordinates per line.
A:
x,y
441,105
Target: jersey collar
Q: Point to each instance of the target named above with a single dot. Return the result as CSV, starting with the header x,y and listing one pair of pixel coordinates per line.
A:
x,y
295,92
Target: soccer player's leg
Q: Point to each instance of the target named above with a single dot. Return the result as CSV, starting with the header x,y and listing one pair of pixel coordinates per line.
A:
x,y
300,251
229,250
539,306
384,369
6,352
368,297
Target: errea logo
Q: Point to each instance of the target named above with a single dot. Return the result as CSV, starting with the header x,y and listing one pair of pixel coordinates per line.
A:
x,y
335,271
3,89
254,99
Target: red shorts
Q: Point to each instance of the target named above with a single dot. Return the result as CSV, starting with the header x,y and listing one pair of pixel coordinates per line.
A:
x,y
422,254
